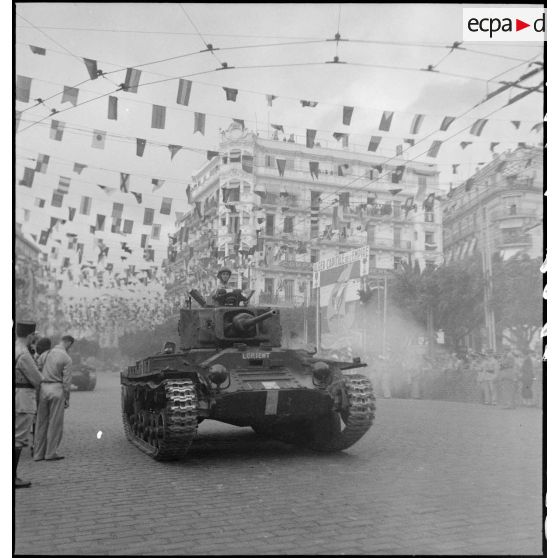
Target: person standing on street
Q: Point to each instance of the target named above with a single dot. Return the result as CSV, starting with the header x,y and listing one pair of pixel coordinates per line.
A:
x,y
27,381
507,377
54,398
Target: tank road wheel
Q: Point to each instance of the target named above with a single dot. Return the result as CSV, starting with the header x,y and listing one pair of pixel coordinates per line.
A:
x,y
351,417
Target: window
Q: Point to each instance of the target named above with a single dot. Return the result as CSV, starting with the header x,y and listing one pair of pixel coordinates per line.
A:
x,y
235,156
314,255
421,180
396,209
57,199
245,218
429,216
117,209
289,164
143,242
246,189
268,285
370,234
234,224
85,206
288,285
269,161
397,237
128,226
288,225
397,262
166,205
148,216
100,224
429,237
155,232
223,221
269,224
372,260
233,192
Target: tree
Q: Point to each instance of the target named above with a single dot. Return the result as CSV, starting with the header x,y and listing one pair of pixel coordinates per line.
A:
x,y
517,299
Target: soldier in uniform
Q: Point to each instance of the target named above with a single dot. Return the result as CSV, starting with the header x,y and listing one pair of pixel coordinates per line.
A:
x,y
223,296
27,381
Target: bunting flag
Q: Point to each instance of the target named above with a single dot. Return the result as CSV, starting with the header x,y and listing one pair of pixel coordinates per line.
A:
x,y
410,141
478,126
446,123
23,88
385,122
395,191
314,169
374,143
184,89
454,167
469,184
166,205
140,146
28,175
100,223
71,213
70,95
63,185
131,81
189,193
428,203
98,141
37,50
347,115
124,182
174,149
230,207
398,150
17,119
199,123
212,154
91,66
310,137
493,144
465,144
378,168
340,136
158,117
92,229
311,104
78,167
409,204
56,130
112,108
42,163
108,191
239,121
281,166
270,99
537,127
231,93
516,123
39,202
278,127
314,213
157,183
138,196
417,123
434,149
344,199
397,174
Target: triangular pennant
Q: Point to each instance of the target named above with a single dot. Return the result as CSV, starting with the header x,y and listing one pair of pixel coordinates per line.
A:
x,y
37,50
138,196
212,154
493,144
91,66
478,126
270,99
465,144
281,166
385,122
311,104
174,149
157,183
78,167
395,191
516,123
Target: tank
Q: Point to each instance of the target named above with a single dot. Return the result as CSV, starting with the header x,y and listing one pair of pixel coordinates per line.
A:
x,y
230,367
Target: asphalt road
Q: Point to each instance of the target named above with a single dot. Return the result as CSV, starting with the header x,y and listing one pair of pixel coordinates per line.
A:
x,y
430,477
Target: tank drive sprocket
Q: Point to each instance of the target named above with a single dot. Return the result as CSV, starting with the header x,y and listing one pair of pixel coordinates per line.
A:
x,y
165,428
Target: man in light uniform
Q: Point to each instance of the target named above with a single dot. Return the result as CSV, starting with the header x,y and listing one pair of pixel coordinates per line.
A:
x,y
27,382
53,399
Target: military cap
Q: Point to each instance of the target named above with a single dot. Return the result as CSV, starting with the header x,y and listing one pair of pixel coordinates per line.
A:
x,y
23,329
224,270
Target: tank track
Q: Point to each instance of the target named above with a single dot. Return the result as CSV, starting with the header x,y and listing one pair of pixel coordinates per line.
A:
x,y
165,434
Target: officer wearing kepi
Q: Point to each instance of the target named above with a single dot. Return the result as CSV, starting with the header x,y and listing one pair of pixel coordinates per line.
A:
x,y
27,381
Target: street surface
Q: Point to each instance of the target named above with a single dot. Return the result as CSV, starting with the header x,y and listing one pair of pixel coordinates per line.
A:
x,y
430,477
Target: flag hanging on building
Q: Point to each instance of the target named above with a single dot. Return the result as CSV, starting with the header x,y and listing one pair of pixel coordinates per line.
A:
x,y
374,143
112,108
157,183
78,167
247,163
91,66
230,93
39,202
166,205
239,121
63,185
344,199
465,144
71,213
212,154
270,99
454,167
537,127
56,130
189,193
98,141
311,104
281,166
398,150
347,115
23,88
70,95
28,175
158,117
42,163
493,144
446,123
100,223
385,122
314,169
37,50
199,123
131,81
478,126
516,124
138,196
314,213
174,149
124,182
417,123
395,191
434,149
140,146
184,89
428,203
310,137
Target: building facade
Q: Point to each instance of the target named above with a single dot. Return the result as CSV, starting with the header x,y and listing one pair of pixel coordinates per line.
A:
x,y
268,209
499,210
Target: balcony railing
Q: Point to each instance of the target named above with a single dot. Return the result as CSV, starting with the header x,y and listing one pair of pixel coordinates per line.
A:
x,y
282,299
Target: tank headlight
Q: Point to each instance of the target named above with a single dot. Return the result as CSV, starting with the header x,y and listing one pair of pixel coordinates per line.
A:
x,y
321,373
218,374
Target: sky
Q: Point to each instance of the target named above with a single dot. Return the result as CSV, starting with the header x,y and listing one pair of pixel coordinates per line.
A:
x,y
381,74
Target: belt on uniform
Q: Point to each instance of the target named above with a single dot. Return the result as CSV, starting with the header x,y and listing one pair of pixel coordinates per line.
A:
x,y
51,382
21,385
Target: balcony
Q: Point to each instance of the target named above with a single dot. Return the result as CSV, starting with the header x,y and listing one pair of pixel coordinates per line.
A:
x,y
517,212
511,241
281,300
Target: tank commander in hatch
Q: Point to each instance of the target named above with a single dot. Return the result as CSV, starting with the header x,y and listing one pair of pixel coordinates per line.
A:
x,y
222,296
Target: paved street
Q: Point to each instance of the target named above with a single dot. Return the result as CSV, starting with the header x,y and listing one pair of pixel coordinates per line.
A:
x,y
429,478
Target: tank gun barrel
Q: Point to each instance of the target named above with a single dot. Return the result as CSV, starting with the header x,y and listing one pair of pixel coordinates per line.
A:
x,y
197,296
244,321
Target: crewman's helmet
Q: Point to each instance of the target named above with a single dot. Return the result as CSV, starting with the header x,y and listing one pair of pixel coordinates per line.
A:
x,y
223,270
